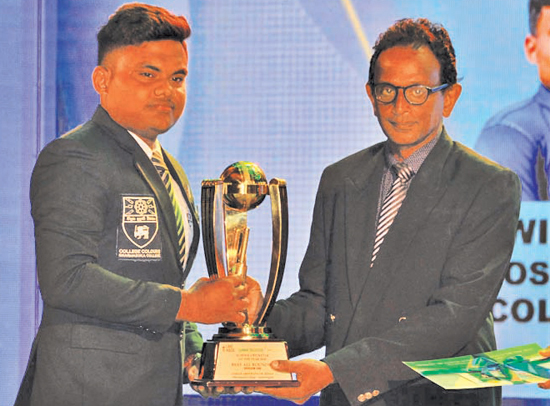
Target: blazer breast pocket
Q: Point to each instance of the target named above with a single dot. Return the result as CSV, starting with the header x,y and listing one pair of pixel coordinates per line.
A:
x,y
88,336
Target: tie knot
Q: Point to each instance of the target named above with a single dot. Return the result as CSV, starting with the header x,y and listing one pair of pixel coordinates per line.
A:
x,y
158,161
403,171
157,156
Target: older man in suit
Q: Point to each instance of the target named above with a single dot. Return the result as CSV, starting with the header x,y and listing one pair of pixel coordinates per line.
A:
x,y
409,245
116,234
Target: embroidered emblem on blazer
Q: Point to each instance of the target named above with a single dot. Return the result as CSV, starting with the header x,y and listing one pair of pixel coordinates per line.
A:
x,y
138,238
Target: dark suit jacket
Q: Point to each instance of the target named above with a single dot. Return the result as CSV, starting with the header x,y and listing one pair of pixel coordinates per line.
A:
x,y
106,247
434,281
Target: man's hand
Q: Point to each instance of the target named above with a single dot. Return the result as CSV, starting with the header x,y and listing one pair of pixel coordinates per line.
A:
x,y
211,301
191,366
192,369
215,391
545,353
255,299
313,376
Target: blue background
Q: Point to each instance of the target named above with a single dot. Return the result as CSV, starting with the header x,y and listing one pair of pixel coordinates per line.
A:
x,y
277,82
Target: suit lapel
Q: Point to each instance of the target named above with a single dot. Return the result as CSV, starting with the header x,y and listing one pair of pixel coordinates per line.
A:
x,y
144,166
426,190
362,191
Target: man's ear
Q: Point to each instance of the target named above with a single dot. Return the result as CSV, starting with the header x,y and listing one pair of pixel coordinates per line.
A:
x,y
100,78
530,48
371,98
450,96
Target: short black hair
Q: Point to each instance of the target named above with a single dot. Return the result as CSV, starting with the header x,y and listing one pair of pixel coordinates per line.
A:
x,y
417,33
135,23
535,6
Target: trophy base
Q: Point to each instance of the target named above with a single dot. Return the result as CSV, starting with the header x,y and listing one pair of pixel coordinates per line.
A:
x,y
243,362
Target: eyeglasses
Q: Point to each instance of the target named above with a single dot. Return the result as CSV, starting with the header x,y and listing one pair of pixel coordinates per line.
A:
x,y
386,93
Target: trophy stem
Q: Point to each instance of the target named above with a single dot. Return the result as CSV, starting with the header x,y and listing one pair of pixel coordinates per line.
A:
x,y
242,245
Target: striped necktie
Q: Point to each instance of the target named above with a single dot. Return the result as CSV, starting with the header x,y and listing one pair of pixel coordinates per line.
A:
x,y
392,203
162,169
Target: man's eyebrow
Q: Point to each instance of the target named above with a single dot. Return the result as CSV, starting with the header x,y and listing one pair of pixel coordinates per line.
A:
x,y
152,67
178,72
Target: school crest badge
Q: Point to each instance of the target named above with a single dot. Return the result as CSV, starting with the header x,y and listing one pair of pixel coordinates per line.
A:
x,y
139,226
140,219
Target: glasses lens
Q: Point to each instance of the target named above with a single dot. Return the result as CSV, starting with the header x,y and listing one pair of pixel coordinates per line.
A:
x,y
385,93
416,94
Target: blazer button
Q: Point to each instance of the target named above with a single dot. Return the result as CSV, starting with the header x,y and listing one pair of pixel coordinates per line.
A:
x,y
332,317
361,397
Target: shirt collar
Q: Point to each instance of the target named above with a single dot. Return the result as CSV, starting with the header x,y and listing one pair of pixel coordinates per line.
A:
x,y
148,151
543,96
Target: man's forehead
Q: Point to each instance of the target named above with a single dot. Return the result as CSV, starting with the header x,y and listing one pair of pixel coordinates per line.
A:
x,y
544,16
150,49
407,59
408,49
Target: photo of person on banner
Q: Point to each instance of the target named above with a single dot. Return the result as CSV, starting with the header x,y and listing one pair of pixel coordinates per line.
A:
x,y
518,136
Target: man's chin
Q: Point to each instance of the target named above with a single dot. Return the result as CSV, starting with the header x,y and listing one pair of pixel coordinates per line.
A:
x,y
402,141
151,133
161,128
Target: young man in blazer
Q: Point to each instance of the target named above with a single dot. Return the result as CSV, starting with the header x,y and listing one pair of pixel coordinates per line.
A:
x,y
116,236
378,288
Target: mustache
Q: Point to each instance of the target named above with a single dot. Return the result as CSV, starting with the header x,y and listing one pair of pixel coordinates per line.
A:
x,y
163,103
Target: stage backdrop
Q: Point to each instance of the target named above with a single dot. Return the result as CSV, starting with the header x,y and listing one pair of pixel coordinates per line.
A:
x,y
277,82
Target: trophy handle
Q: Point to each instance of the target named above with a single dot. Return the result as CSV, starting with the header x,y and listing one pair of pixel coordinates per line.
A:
x,y
213,227
279,214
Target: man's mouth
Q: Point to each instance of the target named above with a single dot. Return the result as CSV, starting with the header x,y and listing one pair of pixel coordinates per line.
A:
x,y
402,125
163,106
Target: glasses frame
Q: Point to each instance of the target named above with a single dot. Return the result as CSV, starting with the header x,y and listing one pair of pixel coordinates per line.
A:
x,y
430,90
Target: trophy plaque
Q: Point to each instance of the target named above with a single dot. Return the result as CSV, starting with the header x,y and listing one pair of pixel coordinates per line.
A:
x,y
240,354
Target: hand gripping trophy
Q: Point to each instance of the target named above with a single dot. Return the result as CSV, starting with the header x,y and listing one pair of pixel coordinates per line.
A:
x,y
239,355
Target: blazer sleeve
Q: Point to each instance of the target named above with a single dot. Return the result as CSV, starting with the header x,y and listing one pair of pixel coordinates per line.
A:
x,y
469,283
70,196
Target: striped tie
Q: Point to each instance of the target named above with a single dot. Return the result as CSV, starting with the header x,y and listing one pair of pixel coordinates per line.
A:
x,y
162,169
391,205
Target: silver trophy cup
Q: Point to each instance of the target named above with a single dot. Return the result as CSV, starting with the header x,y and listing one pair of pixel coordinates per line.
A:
x,y
240,354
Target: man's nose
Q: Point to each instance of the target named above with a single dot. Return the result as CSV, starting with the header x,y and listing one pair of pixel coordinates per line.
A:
x,y
164,88
400,103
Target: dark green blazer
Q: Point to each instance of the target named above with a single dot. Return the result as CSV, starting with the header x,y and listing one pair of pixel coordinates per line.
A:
x,y
106,249
434,281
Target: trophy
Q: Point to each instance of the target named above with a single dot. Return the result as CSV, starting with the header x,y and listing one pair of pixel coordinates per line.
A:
x,y
240,354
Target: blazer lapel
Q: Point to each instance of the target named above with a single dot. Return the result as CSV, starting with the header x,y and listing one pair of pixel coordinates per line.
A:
x,y
362,191
148,172
426,190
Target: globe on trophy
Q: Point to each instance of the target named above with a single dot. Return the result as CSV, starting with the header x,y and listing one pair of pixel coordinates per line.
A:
x,y
240,354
